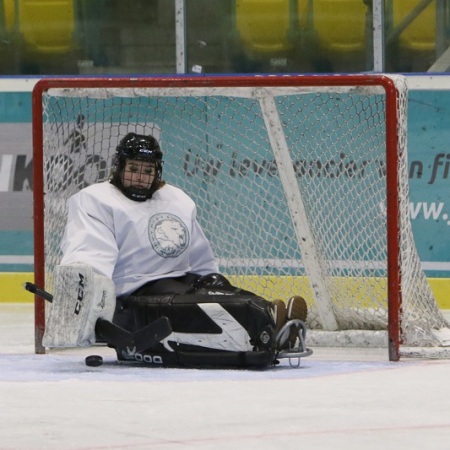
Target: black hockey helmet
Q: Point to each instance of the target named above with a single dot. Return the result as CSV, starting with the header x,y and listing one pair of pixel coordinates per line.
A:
x,y
142,148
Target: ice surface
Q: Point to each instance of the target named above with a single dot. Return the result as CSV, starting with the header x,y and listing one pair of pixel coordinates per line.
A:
x,y
337,399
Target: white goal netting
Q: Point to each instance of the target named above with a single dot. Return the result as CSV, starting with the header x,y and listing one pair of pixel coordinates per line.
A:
x,y
290,184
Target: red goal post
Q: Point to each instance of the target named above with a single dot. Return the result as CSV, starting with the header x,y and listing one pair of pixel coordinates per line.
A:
x,y
301,183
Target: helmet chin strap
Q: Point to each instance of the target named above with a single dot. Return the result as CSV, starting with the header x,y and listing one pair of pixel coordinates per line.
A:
x,y
138,194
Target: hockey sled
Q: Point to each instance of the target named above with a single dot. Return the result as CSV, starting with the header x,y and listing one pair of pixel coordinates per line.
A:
x,y
213,329
205,329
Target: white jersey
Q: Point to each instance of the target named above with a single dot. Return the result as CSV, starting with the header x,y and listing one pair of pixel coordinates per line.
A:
x,y
135,242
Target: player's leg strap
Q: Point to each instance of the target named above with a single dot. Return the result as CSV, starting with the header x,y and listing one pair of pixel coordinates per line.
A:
x,y
207,330
81,298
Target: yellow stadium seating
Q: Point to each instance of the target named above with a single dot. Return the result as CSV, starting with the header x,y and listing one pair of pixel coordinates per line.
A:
x,y
47,26
263,25
421,33
9,10
340,24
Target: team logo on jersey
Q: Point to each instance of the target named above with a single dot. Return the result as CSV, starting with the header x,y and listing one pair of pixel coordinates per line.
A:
x,y
168,235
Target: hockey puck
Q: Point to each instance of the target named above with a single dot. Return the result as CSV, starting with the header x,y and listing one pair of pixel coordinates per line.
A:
x,y
93,360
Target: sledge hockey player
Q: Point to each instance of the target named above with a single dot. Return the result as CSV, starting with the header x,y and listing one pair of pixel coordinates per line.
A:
x,y
138,272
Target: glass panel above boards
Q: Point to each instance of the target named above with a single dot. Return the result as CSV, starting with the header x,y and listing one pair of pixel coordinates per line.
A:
x,y
64,37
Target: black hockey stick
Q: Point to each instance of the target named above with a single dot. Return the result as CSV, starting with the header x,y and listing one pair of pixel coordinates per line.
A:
x,y
115,336
31,287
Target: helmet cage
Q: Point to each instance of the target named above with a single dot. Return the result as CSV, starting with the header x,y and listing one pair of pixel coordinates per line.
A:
x,y
140,148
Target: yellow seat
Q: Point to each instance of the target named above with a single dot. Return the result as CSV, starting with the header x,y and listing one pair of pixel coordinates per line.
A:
x,y
263,25
421,33
340,24
47,25
9,10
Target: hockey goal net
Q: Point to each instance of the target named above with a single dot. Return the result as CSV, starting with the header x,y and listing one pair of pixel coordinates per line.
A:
x,y
301,185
